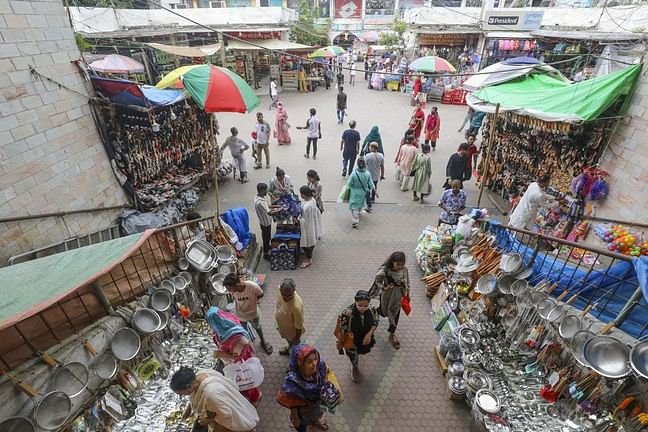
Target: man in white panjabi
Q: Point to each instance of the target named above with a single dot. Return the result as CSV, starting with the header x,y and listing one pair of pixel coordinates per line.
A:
x,y
533,199
216,400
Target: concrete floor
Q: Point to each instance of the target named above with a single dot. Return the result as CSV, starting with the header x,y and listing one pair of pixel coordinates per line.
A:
x,y
402,390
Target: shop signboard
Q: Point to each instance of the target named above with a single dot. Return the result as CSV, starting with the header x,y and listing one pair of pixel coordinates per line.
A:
x,y
447,39
513,20
348,9
256,35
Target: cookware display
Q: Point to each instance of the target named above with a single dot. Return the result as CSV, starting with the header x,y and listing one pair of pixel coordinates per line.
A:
x,y
145,321
125,344
201,255
71,379
17,424
160,300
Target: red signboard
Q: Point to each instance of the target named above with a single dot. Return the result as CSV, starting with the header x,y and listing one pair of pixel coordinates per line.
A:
x,y
348,8
255,35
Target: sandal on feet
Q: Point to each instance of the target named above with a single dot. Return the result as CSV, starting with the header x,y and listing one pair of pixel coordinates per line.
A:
x,y
394,341
267,347
355,374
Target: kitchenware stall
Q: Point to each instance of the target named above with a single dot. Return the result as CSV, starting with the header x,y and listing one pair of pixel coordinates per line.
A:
x,y
522,357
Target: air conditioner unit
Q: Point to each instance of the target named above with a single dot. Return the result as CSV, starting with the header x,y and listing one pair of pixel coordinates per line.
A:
x,y
217,4
180,6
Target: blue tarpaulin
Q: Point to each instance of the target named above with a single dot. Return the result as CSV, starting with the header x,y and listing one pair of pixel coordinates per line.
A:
x,y
609,288
131,93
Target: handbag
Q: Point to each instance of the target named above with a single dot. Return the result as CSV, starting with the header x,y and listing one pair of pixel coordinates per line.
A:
x,y
344,341
405,305
345,193
247,374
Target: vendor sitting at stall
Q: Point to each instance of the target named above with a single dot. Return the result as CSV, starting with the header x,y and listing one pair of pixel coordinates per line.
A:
x,y
452,202
280,185
534,198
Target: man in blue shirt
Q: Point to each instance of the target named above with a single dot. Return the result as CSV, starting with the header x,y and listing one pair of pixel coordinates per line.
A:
x,y
350,147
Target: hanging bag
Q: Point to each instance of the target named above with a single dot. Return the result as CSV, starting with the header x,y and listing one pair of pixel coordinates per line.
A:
x,y
247,374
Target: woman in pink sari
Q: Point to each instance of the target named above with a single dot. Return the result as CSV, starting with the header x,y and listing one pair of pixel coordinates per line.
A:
x,y
281,125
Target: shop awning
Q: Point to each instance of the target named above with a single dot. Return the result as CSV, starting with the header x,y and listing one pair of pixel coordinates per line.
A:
x,y
273,44
33,286
551,99
185,51
132,93
506,71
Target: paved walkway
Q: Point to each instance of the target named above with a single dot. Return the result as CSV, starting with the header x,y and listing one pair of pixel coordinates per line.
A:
x,y
402,390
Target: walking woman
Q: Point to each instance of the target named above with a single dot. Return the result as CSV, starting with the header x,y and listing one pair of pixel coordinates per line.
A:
x,y
355,330
313,180
373,136
280,185
403,140
391,285
310,222
233,342
422,169
281,125
432,128
407,155
360,184
303,386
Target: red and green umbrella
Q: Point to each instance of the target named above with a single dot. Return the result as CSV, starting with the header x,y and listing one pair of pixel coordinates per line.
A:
x,y
431,64
213,88
327,52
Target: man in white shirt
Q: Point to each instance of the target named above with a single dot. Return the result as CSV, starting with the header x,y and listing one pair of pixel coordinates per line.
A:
x,y
352,74
274,94
314,128
262,129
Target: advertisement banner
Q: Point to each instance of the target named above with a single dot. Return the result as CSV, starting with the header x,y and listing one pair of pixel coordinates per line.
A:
x,y
348,9
509,20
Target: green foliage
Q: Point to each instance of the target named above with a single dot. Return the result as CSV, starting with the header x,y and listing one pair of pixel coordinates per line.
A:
x,y
305,31
389,40
395,39
399,26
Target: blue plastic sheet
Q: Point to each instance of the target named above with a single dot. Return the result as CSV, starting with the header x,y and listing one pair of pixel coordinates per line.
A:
x,y
608,287
131,93
239,220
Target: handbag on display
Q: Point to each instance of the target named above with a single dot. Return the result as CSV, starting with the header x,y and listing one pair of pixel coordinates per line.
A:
x,y
283,258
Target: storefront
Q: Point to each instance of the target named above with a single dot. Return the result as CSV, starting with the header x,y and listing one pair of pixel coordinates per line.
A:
x,y
499,46
449,46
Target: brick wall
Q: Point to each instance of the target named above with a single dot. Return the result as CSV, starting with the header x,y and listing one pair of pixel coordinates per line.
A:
x,y
626,159
51,156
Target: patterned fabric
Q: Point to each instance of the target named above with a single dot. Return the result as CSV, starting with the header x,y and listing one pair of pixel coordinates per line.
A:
x,y
297,390
225,324
262,208
453,203
352,320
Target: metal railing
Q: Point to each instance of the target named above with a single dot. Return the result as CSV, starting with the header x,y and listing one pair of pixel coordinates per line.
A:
x,y
594,275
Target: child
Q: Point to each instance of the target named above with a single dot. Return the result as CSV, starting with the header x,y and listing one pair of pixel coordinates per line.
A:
x,y
254,146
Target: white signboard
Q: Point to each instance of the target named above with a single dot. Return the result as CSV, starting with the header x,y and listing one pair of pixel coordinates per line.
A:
x,y
512,20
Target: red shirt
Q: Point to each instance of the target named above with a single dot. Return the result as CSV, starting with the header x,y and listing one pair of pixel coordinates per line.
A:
x,y
420,116
472,149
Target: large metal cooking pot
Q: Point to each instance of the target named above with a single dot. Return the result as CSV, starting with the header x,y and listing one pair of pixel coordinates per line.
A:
x,y
160,300
125,344
216,284
226,254
145,320
608,356
52,411
17,424
105,366
71,379
201,255
639,359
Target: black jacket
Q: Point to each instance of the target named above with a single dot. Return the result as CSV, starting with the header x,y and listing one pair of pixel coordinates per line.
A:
x,y
457,168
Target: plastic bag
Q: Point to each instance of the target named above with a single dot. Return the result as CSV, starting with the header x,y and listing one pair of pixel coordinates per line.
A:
x,y
247,374
345,194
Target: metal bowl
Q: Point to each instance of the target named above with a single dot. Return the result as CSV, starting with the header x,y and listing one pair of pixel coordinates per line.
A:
x,y
17,424
477,380
183,264
216,283
511,263
545,307
457,385
468,337
186,276
226,268
577,344
166,284
125,344
639,359
519,286
164,320
487,285
608,356
179,283
569,326
524,273
71,379
201,255
146,320
487,401
505,284
160,300
52,411
225,254
105,366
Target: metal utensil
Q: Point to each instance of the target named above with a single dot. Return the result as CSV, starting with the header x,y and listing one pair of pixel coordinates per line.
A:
x,y
125,344
52,411
105,366
608,356
17,424
160,300
71,379
145,320
166,284
639,359
505,284
179,283
487,285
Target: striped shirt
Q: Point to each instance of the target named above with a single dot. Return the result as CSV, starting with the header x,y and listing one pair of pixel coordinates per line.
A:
x,y
262,208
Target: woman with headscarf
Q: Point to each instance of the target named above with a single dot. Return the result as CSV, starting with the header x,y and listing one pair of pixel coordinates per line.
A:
x,y
360,184
407,155
355,330
403,140
391,285
310,222
421,172
280,185
281,125
373,136
234,343
308,385
432,128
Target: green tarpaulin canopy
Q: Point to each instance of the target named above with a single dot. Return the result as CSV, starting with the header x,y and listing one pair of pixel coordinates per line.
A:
x,y
30,287
549,99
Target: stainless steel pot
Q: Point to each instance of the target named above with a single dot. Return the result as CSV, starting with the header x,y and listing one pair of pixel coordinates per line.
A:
x,y
226,254
145,320
166,284
160,300
17,424
125,344
639,359
105,366
179,283
487,285
52,411
608,356
71,379
201,255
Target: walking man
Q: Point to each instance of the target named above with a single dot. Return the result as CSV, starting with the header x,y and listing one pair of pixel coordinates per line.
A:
x,y
264,212
237,146
314,128
262,129
376,166
350,147
352,74
289,315
274,94
246,299
457,168
341,104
